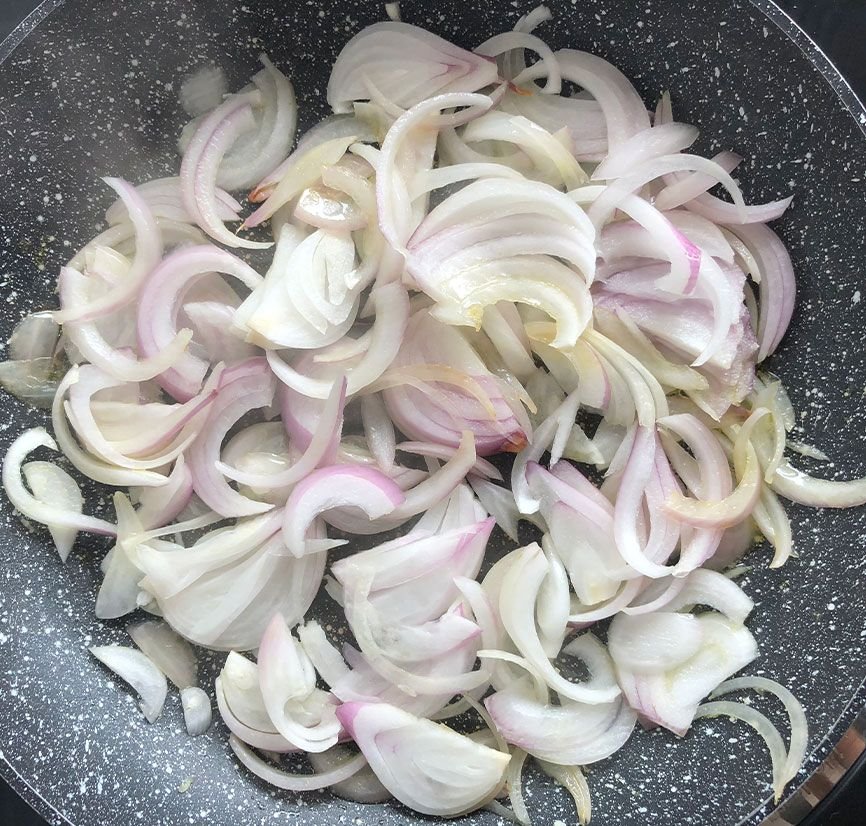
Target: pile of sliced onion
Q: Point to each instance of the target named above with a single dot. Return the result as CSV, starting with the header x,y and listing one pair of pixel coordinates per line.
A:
x,y
462,263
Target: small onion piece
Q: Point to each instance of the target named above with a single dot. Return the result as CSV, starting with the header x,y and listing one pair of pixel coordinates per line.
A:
x,y
197,711
54,487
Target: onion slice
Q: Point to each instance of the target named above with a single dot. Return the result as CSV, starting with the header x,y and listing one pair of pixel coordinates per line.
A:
x,y
28,504
425,765
171,653
140,672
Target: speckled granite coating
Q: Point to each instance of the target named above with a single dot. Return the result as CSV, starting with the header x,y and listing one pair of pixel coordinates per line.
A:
x,y
92,91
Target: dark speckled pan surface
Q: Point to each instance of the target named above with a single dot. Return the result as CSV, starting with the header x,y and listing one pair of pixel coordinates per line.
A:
x,y
92,91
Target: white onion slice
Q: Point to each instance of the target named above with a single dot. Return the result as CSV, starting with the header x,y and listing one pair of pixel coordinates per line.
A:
x,y
137,670
369,60
299,711
28,504
339,486
427,766
573,780
55,488
796,715
296,782
171,653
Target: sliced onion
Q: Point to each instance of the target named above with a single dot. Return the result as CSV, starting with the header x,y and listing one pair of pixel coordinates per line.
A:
x,y
303,170
295,782
426,766
320,450
769,733
303,714
339,486
799,724
137,670
369,58
160,301
148,252
253,158
213,138
568,734
517,603
572,779
32,507
55,488
171,653
248,386
160,506
392,315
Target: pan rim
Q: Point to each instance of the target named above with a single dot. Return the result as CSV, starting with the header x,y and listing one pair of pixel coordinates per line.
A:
x,y
798,804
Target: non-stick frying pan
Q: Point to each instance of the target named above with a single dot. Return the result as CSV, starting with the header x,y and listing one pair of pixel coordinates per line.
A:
x,y
89,88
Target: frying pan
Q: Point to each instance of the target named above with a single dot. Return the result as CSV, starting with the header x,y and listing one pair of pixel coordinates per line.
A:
x,y
89,88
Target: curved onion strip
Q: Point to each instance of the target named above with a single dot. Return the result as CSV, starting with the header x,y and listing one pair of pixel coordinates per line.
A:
x,y
481,467
267,740
606,204
357,609
316,454
796,715
338,486
514,784
392,316
735,507
245,387
517,602
148,251
295,782
508,41
392,196
83,461
429,66
573,780
776,284
424,764
254,159
31,507
87,338
137,670
288,681
55,488
214,137
686,187
624,111
159,302
662,139
769,733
